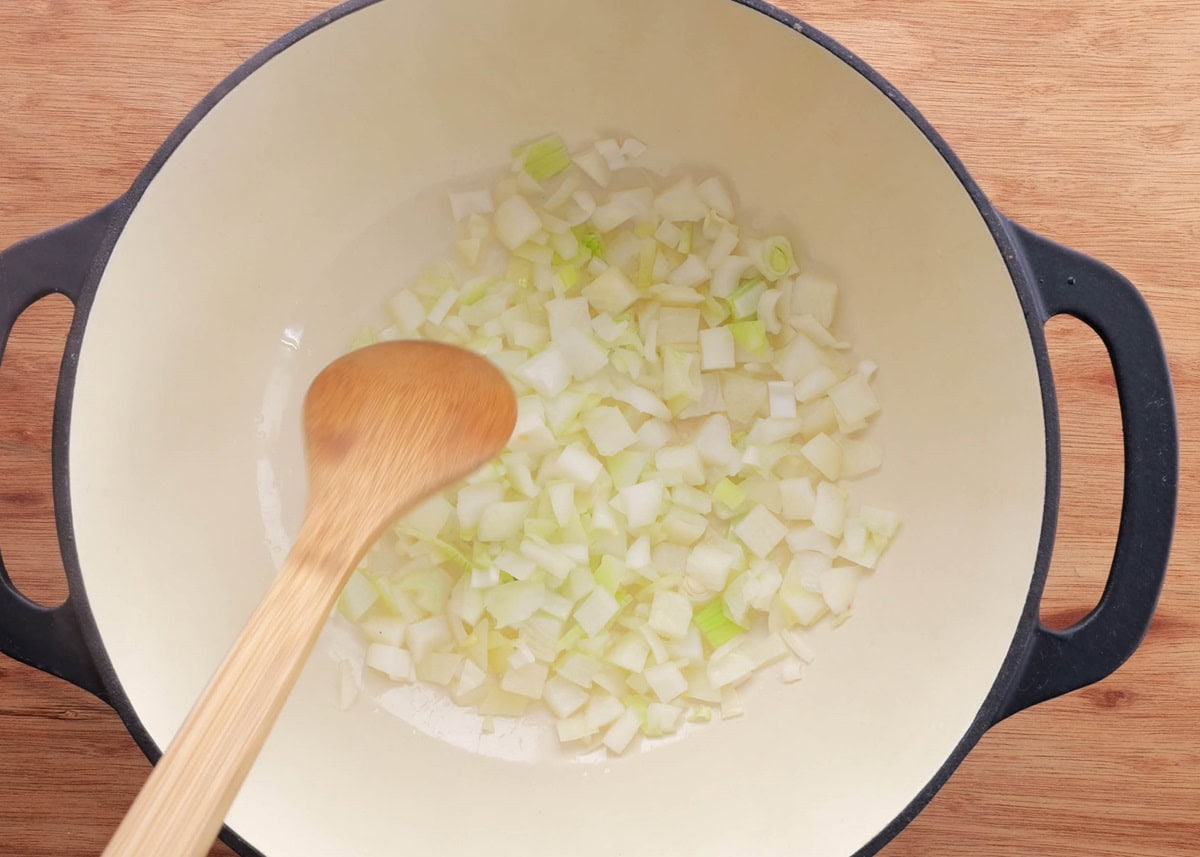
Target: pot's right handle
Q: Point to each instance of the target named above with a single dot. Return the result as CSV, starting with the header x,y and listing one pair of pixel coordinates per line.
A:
x,y
1073,284
57,262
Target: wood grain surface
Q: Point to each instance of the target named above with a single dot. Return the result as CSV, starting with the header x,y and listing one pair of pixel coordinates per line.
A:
x,y
1080,118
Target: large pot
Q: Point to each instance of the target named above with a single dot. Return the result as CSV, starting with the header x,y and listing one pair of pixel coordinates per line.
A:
x,y
305,187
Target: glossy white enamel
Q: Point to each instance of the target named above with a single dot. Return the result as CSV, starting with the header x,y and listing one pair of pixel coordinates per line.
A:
x,y
316,187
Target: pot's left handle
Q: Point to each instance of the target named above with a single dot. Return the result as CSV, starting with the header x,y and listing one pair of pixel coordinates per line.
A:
x,y
57,262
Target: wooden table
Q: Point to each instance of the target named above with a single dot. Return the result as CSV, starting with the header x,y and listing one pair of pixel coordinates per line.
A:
x,y
1081,118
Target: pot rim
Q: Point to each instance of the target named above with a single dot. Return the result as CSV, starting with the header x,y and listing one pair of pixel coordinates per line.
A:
x,y
991,710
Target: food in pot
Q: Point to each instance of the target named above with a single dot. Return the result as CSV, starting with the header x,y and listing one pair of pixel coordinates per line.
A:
x,y
674,508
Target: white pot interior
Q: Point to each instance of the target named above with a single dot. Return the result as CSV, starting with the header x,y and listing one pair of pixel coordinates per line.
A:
x,y
316,187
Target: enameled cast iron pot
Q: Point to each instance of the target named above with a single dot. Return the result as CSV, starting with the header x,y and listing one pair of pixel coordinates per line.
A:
x,y
311,183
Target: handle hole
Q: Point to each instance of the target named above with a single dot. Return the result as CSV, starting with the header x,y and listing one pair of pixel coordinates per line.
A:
x,y
1092,472
28,380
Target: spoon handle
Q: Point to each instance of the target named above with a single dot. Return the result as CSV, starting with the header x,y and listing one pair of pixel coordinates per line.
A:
x,y
179,810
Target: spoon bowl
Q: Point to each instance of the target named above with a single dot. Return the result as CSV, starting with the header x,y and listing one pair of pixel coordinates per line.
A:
x,y
385,427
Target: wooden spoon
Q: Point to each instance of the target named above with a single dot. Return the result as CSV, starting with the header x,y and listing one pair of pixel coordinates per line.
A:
x,y
385,426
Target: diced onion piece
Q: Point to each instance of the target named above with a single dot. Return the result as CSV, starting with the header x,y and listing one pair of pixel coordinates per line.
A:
x,y
439,311
782,398
625,468
811,328
579,466
428,635
603,710
691,273
728,274
641,503
662,718
638,557
388,630
643,400
562,502
630,652
743,303
678,325
800,647
609,216
729,670
729,495
596,611
768,312
545,158
681,203
750,339
816,383
680,464
716,349
760,531
670,615
712,399
579,669
854,399
714,441
811,539
837,587
473,500
829,512
392,661
709,566
501,521
666,681
574,729
825,455
798,499
548,372
563,697
774,257
594,166
716,197
610,150
633,148
800,358
611,292
471,678
358,596
512,603
609,431
621,733
653,435
464,204
516,222
792,671
731,704
693,499
581,353
528,680
407,312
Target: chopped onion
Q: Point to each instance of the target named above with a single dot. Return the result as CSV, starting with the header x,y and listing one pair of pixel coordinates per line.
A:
x,y
463,205
760,531
683,432
516,222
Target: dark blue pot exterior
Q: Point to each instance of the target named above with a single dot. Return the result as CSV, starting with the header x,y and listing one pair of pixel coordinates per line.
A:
x,y
1049,279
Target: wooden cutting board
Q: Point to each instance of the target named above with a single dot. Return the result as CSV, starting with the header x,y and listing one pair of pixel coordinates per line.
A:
x,y
1080,118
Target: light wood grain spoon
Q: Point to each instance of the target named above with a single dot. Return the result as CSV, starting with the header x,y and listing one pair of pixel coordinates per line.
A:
x,y
385,426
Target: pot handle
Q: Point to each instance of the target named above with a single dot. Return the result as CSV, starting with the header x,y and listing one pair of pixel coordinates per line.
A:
x,y
1073,284
57,262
